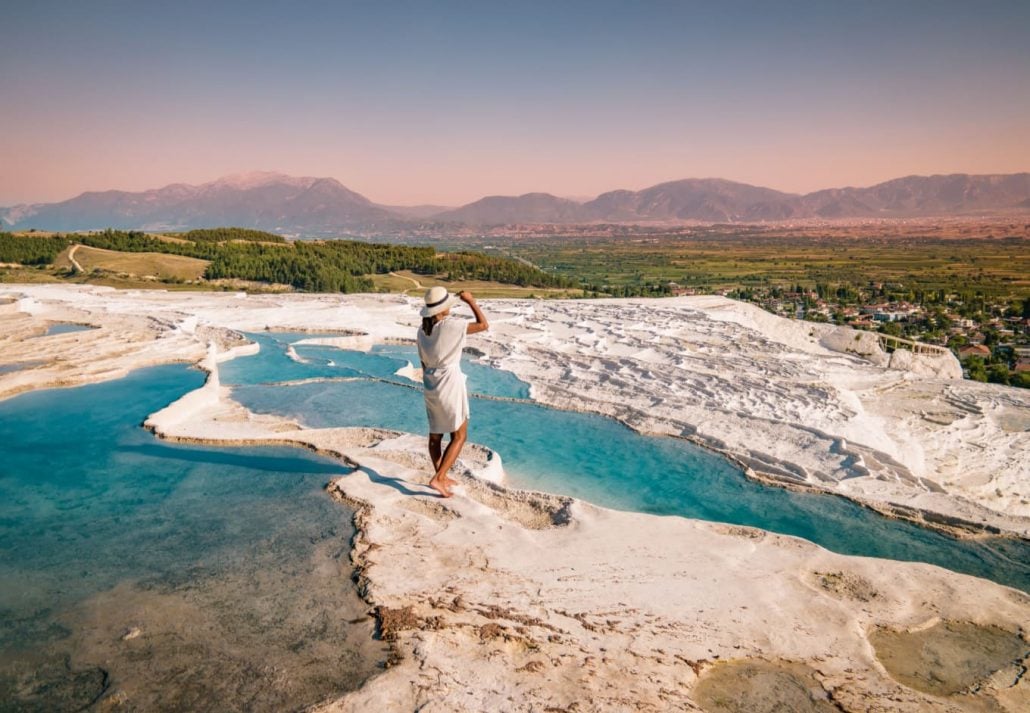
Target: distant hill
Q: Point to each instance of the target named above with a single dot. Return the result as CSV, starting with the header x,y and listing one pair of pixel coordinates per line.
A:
x,y
704,199
528,208
417,212
719,200
324,207
954,194
266,201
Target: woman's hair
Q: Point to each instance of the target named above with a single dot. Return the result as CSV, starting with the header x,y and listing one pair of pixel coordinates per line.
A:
x,y
427,325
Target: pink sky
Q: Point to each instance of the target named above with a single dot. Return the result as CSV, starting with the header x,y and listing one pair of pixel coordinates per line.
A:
x,y
444,104
454,174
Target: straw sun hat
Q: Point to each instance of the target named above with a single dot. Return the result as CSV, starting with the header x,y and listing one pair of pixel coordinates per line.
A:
x,y
437,300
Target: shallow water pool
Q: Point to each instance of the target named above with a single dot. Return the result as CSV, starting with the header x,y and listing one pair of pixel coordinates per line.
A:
x,y
20,366
126,562
597,459
66,328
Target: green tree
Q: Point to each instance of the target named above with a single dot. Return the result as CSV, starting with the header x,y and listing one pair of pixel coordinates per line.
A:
x,y
221,235
975,368
892,328
26,250
941,319
998,374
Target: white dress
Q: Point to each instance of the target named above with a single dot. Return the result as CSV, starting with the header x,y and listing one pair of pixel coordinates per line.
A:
x,y
447,401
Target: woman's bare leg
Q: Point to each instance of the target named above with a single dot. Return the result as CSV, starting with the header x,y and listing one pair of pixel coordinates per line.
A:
x,y
435,449
440,481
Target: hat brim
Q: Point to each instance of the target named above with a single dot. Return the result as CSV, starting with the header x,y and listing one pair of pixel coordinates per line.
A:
x,y
437,309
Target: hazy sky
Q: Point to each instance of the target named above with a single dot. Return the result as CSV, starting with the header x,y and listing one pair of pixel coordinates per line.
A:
x,y
444,102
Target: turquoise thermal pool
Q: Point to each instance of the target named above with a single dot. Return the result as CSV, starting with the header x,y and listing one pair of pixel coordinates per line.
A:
x,y
105,529
592,457
112,539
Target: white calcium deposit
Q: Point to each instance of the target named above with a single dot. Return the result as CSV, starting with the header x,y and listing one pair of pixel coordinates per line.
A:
x,y
504,600
806,404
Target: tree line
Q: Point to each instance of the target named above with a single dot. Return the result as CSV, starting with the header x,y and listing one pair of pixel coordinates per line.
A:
x,y
313,266
223,235
31,250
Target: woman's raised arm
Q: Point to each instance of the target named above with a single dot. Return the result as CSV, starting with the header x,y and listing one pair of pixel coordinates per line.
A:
x,y
480,325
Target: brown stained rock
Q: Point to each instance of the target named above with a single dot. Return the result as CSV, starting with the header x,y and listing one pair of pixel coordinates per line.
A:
x,y
581,618
757,686
846,585
950,657
454,605
492,611
695,666
391,621
490,631
532,667
433,623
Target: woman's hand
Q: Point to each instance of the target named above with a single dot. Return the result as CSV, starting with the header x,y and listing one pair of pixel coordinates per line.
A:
x,y
466,297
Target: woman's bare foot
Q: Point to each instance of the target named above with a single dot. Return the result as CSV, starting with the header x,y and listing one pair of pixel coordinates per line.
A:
x,y
441,486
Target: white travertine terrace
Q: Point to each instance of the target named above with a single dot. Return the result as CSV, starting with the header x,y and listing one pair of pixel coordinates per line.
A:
x,y
503,600
763,389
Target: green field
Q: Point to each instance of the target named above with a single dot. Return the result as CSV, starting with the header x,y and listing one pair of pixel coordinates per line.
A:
x,y
710,260
995,267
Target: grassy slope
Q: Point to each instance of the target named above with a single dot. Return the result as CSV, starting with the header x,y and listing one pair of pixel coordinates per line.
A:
x,y
158,265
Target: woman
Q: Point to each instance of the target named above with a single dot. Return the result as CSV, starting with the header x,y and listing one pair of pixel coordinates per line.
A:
x,y
441,339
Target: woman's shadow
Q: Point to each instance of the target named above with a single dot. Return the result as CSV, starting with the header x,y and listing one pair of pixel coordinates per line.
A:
x,y
398,484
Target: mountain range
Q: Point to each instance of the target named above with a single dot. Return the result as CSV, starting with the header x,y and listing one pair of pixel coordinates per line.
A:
x,y
323,206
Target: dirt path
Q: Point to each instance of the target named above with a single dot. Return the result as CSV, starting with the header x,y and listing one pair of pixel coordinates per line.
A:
x,y
71,256
412,280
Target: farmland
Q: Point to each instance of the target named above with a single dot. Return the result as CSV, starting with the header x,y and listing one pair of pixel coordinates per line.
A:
x,y
995,267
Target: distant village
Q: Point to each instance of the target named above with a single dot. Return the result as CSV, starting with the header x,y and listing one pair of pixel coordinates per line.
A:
x,y
990,336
